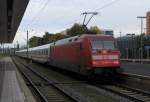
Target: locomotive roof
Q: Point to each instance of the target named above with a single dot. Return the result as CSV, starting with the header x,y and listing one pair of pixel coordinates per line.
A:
x,y
100,35
75,38
66,40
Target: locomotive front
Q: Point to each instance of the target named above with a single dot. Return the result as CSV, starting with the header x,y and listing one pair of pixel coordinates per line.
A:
x,y
104,56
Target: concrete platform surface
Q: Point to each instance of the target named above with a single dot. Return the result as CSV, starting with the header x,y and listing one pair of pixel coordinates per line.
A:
x,y
136,68
10,88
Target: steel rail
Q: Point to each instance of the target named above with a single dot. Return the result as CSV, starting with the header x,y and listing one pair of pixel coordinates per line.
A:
x,y
45,99
132,94
67,91
42,97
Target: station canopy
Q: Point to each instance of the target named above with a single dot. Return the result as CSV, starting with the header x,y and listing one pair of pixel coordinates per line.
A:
x,y
11,13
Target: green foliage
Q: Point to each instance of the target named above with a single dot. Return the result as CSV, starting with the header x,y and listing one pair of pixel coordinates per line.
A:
x,y
47,38
58,36
34,41
94,30
76,29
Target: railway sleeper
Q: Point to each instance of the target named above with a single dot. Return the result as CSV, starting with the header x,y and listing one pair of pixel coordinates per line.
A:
x,y
146,99
37,84
136,95
128,93
56,98
142,98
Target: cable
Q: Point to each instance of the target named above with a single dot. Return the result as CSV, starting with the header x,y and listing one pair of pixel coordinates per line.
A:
x,y
38,13
107,5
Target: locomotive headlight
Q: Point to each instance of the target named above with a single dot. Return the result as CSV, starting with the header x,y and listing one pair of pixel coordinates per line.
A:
x,y
94,62
116,62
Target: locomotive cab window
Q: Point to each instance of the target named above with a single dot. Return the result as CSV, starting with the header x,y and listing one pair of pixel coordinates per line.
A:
x,y
99,45
109,45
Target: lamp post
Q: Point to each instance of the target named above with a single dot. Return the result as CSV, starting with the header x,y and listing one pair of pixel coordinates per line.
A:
x,y
141,17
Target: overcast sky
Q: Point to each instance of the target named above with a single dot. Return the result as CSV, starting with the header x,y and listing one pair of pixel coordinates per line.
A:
x,y
57,15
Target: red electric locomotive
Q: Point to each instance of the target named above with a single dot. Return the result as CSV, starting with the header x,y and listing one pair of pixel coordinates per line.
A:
x,y
86,54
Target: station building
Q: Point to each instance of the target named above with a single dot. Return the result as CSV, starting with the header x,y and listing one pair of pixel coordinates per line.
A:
x,y
148,23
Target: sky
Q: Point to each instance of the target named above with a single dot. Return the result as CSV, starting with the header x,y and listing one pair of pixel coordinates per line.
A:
x,y
57,15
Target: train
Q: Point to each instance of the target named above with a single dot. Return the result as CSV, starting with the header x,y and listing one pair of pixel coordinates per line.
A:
x,y
85,54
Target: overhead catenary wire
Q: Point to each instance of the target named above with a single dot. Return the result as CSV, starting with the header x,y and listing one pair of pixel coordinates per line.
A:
x,y
37,15
107,5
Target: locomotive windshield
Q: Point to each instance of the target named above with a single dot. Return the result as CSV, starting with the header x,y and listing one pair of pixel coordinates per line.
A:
x,y
99,45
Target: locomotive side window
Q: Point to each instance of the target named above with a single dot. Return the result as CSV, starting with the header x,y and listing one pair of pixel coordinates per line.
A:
x,y
75,39
70,40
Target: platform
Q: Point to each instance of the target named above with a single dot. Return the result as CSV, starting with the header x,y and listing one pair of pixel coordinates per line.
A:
x,y
136,68
10,88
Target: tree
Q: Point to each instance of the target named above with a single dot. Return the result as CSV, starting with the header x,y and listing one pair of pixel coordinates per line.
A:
x,y
47,38
76,29
34,41
58,36
94,30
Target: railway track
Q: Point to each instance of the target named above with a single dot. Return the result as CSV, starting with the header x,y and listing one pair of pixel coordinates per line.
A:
x,y
44,90
135,87
79,90
122,90
131,93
